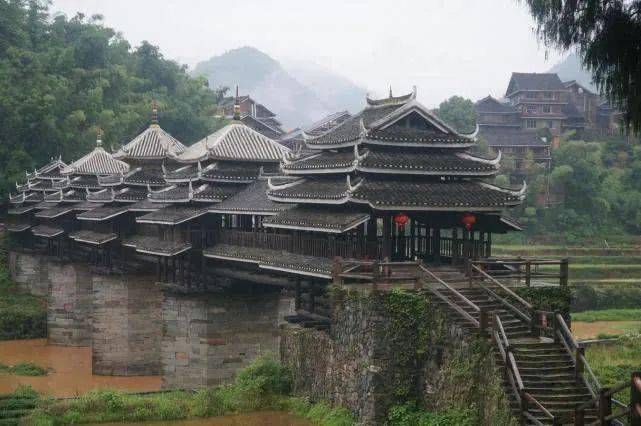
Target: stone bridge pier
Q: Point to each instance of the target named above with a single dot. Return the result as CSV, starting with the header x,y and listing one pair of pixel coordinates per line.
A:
x,y
207,338
126,325
135,328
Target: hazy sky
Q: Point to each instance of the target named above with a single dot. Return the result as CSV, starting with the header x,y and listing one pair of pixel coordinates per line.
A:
x,y
444,47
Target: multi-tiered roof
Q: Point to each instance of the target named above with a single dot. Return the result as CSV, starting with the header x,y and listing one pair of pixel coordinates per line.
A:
x,y
395,155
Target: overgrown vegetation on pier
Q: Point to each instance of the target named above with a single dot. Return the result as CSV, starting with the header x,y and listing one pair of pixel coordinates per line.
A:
x,y
22,315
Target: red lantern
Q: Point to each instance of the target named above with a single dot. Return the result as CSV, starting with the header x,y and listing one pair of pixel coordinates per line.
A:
x,y
401,219
468,220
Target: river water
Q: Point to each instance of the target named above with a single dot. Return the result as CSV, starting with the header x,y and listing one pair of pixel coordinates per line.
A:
x,y
70,370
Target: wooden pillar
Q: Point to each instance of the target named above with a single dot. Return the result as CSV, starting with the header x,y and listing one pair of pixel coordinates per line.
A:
x,y
412,238
297,294
455,245
312,297
387,236
360,241
332,246
437,246
372,237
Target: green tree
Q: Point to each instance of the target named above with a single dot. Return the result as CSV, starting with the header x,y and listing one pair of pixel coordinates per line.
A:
x,y
61,79
459,113
607,34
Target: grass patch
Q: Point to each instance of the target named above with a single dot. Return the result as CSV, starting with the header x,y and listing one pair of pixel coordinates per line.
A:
x,y
608,315
263,385
23,369
614,363
410,415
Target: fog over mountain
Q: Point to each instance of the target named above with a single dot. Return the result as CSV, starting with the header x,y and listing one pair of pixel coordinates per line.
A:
x,y
571,69
299,93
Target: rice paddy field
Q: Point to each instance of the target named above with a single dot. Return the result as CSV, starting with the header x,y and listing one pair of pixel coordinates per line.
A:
x,y
606,284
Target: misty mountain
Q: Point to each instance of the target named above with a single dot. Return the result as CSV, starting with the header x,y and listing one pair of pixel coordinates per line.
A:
x,y
299,94
335,91
571,69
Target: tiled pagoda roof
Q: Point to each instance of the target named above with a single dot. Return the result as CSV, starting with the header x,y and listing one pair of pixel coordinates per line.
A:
x,y
394,193
92,237
144,177
49,171
152,144
19,210
173,215
251,200
235,142
273,259
156,246
55,212
434,196
17,227
47,231
97,162
437,162
318,218
331,190
100,214
129,195
374,125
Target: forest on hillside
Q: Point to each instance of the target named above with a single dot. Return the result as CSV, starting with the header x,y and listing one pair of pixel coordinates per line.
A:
x,y
62,79
594,182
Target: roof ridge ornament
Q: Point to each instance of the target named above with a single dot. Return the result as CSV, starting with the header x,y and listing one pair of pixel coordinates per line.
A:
x,y
237,106
516,193
191,190
363,130
99,138
162,165
273,187
154,112
351,188
471,136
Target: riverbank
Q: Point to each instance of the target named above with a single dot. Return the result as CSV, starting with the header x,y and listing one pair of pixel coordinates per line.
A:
x,y
263,385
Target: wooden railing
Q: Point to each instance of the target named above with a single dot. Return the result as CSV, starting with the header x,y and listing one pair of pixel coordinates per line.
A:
x,y
507,298
524,271
552,324
522,396
297,244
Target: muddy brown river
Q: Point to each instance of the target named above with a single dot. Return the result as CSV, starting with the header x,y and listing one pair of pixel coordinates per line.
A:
x,y
70,370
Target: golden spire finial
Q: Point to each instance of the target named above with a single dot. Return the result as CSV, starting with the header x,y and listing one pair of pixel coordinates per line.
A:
x,y
99,138
390,92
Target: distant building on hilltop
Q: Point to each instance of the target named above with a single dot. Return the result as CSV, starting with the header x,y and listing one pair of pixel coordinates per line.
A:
x,y
537,108
541,100
501,126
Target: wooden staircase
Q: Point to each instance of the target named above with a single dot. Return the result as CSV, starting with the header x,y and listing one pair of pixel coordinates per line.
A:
x,y
541,377
546,375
